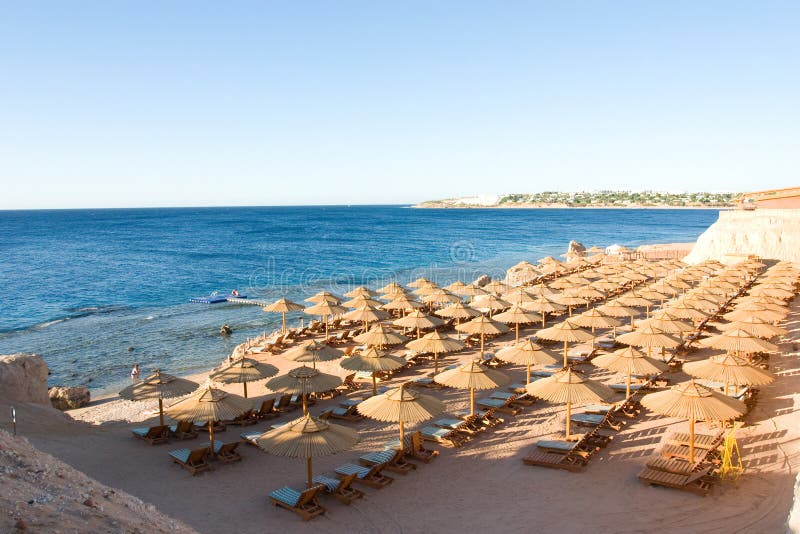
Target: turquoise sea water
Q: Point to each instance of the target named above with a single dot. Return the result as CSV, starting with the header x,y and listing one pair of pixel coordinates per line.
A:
x,y
80,287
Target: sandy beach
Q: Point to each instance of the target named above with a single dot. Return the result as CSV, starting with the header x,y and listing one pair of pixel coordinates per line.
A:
x,y
483,485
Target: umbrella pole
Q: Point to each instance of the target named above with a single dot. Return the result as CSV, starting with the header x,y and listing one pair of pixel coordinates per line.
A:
x,y
326,328
160,410
482,346
691,440
374,385
632,325
402,435
529,374
308,467
245,388
211,436
435,363
517,340
284,321
418,334
566,362
305,405
471,402
628,386
569,414
542,319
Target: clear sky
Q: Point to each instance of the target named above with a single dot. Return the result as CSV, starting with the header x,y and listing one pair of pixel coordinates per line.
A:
x,y
133,103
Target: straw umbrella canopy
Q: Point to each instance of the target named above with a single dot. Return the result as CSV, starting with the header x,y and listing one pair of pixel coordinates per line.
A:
x,y
497,287
456,287
649,336
393,294
541,290
629,361
441,296
662,320
482,325
420,282
363,291
472,376
517,315
242,371
283,306
543,305
159,386
361,300
307,437
490,303
373,361
402,406
471,290
380,336
459,310
418,320
593,319
739,342
312,351
403,302
563,283
390,287
436,343
569,300
325,309
427,289
366,314
701,303
754,310
634,300
569,388
772,292
769,303
565,331
684,310
518,295
695,402
729,369
587,293
528,354
303,381
324,296
756,327
209,404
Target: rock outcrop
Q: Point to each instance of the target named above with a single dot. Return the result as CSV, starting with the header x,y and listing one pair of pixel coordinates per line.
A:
x,y
23,378
769,234
69,398
482,280
43,494
576,249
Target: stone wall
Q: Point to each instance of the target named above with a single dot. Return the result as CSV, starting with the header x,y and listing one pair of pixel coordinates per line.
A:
x,y
769,234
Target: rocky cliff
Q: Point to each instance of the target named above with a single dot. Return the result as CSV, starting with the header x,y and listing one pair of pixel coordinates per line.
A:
x,y
23,378
769,234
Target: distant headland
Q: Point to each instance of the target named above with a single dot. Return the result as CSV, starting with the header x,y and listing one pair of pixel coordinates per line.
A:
x,y
590,199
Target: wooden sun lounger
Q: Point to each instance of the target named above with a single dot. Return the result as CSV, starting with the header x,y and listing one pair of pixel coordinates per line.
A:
x,y
153,435
246,419
267,410
371,476
394,460
426,382
195,460
522,399
445,436
579,447
459,425
505,406
680,467
283,404
568,462
595,420
698,482
481,419
701,441
219,426
682,452
183,430
346,413
226,452
413,446
303,503
340,488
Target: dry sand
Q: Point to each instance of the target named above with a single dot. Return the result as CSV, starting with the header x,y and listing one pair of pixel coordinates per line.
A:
x,y
482,486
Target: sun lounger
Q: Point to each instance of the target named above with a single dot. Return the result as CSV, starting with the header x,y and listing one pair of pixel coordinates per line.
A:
x,y
680,467
443,435
183,430
153,435
514,398
371,476
340,488
346,413
394,459
283,404
219,426
622,388
195,460
481,418
601,409
701,441
500,405
413,447
595,420
698,482
250,436
682,452
267,410
459,425
426,382
568,462
303,503
246,419
226,452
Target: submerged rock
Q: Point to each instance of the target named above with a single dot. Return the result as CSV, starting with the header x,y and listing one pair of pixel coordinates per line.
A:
x,y
68,398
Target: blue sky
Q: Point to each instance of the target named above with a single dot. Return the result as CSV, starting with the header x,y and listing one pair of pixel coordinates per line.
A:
x,y
108,104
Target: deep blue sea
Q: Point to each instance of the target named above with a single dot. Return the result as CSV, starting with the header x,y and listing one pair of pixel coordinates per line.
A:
x,y
82,287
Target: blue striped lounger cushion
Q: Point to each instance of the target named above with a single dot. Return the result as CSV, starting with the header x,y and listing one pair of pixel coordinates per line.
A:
x,y
349,402
597,408
331,483
556,444
141,431
494,403
449,423
378,457
622,387
250,436
501,395
181,455
441,433
349,469
589,418
286,495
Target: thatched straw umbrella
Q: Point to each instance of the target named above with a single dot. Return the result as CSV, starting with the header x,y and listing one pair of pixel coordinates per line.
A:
x,y
528,354
569,388
490,303
630,362
456,287
366,314
685,310
633,300
324,296
668,323
738,342
593,319
754,310
518,295
517,315
544,305
372,361
307,437
404,303
362,291
570,301
209,404
417,320
496,287
756,327
159,386
565,331
242,371
472,376
360,301
390,288
695,402
325,309
303,381
402,406
380,336
440,297
649,336
283,306
729,369
312,351
420,282
482,325
435,343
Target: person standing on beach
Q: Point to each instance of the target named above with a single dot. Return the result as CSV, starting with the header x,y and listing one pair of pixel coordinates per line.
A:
x,y
135,372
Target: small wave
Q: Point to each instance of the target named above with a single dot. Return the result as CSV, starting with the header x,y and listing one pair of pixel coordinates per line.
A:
x,y
149,318
50,323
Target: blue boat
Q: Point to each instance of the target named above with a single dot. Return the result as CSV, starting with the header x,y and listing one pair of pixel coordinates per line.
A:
x,y
216,298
